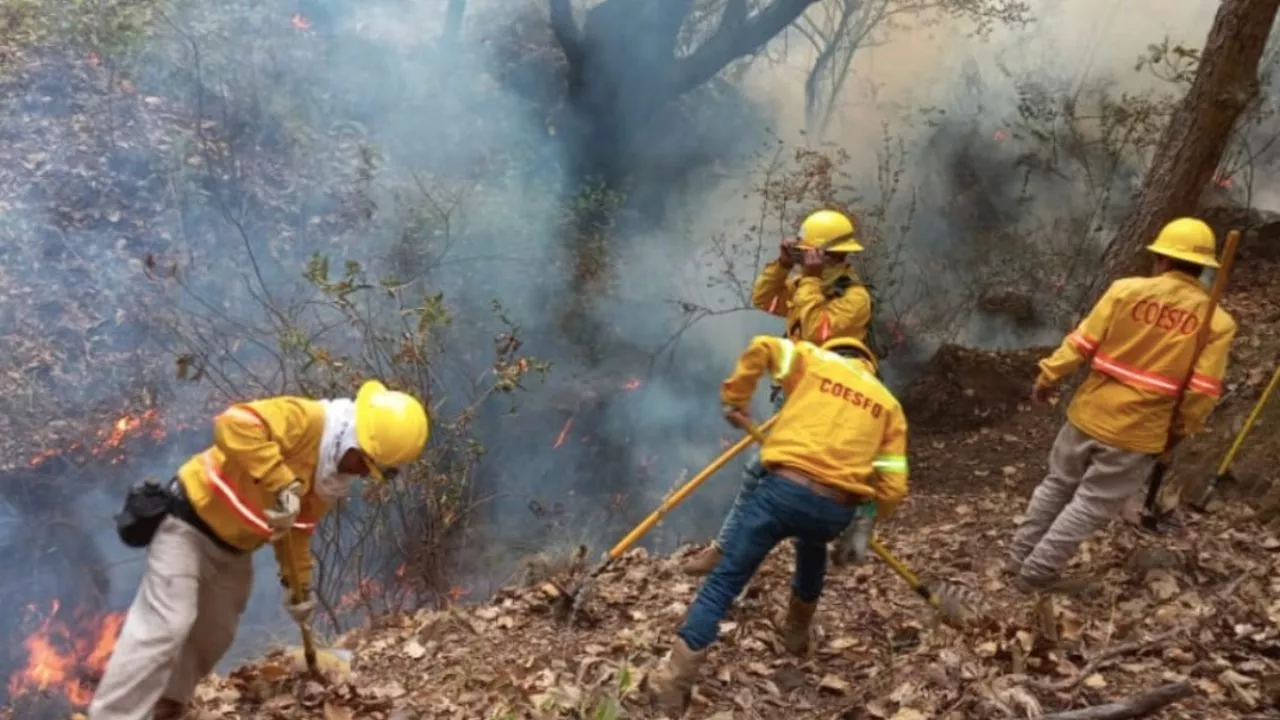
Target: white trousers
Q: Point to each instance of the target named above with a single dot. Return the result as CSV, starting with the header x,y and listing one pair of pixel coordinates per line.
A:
x,y
180,624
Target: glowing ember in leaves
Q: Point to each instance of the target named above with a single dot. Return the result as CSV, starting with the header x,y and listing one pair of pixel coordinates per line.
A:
x,y
564,433
66,659
147,422
1223,181
301,22
1001,135
631,384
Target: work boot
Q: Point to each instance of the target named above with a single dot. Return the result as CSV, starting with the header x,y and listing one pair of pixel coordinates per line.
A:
x,y
1062,585
705,561
671,683
794,625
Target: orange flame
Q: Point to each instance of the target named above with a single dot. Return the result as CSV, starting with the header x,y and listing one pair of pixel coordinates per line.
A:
x,y
64,660
564,433
123,428
301,22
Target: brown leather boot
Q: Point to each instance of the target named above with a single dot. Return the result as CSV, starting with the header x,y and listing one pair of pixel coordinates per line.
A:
x,y
1067,585
794,624
705,561
671,684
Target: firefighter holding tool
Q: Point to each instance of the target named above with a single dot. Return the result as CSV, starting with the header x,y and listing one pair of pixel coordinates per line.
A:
x,y
824,300
839,442
275,468
1141,342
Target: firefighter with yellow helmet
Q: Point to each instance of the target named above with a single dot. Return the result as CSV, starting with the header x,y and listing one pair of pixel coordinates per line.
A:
x,y
275,468
839,444
1140,343
823,301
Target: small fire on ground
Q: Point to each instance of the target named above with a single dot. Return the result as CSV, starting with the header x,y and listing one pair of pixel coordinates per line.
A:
x,y
67,653
630,385
146,423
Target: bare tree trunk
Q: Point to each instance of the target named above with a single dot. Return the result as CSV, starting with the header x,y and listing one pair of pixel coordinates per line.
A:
x,y
1197,136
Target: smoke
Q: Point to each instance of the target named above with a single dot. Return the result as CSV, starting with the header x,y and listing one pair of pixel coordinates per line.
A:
x,y
194,174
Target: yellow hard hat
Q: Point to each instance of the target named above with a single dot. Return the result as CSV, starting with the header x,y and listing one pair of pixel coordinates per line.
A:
x,y
1187,239
849,343
828,230
391,427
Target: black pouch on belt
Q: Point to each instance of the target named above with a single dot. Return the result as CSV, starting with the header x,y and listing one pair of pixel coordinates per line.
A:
x,y
145,507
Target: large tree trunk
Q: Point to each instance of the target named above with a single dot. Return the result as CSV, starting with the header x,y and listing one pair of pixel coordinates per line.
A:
x,y
1197,136
623,66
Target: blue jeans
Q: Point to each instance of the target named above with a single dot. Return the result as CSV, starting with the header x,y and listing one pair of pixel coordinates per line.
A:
x,y
775,510
751,476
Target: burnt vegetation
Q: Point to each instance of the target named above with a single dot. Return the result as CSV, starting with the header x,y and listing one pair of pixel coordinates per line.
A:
x,y
543,218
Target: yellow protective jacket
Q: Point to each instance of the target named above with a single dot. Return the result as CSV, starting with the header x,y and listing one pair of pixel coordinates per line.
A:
x,y
816,309
260,448
839,425
1139,341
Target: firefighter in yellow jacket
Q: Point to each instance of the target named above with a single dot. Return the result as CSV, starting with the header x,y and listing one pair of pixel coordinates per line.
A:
x,y
275,467
840,441
825,300
1139,342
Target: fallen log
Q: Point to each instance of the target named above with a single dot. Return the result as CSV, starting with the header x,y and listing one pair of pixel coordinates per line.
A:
x,y
1135,706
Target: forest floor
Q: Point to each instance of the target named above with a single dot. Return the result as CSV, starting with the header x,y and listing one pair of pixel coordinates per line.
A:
x,y
1198,606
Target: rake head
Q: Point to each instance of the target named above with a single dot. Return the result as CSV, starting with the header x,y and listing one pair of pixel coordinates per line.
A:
x,y
957,605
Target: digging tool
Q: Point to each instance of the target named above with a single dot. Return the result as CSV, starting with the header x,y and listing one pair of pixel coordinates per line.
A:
x,y
565,601
953,602
1152,516
330,663
1224,470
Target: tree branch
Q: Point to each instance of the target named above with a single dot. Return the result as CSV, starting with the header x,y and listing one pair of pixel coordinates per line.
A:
x,y
732,41
1134,706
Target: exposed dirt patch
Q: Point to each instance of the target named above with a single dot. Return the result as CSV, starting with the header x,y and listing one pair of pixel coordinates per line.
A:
x,y
962,390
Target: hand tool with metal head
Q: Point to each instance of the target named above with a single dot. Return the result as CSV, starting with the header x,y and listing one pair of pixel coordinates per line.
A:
x,y
331,663
565,601
1224,470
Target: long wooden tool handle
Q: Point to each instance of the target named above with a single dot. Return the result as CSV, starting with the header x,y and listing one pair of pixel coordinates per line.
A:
x,y
1206,326
685,490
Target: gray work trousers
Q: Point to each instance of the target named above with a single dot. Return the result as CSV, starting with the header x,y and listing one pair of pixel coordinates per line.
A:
x,y
1087,486
181,623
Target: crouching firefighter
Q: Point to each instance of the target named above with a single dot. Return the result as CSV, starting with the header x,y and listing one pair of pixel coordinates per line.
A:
x,y
824,300
840,441
1141,344
275,468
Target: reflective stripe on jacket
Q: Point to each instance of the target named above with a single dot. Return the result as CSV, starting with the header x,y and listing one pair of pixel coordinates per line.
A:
x,y
259,448
1138,342
816,309
839,425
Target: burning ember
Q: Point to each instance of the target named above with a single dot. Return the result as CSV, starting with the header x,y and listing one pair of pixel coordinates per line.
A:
x,y
301,22
147,422
66,659
1223,181
564,433
631,384
1001,135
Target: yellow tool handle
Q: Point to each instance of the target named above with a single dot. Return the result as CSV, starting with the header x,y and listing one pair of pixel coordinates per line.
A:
x,y
297,594
1248,423
905,572
685,490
